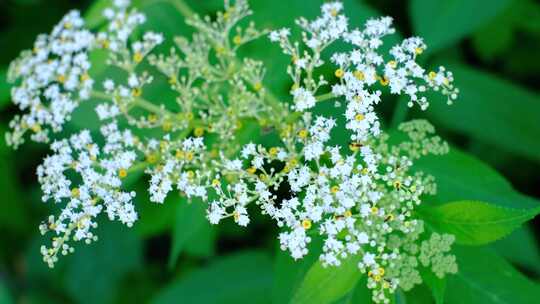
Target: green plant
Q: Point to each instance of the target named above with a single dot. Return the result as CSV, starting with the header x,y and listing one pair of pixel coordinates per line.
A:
x,y
359,187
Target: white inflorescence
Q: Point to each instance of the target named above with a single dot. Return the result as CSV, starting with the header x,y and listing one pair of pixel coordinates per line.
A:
x,y
100,172
52,80
349,187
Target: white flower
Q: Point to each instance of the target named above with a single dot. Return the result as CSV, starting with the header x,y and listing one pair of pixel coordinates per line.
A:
x,y
100,171
358,194
303,99
279,34
53,80
368,259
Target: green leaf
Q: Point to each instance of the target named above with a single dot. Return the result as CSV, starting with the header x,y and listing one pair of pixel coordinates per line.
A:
x,y
443,23
521,248
190,218
202,242
495,39
289,273
93,271
94,15
420,294
484,277
5,88
15,217
5,297
328,284
436,284
239,278
154,218
492,110
460,176
360,294
474,222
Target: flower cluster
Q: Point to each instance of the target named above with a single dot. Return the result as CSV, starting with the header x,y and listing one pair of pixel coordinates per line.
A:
x,y
52,79
100,172
345,184
180,164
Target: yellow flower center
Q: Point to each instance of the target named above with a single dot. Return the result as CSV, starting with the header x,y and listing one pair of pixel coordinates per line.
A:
x,y
105,44
167,126
199,131
189,156
152,118
137,57
303,133
136,92
359,75
257,86
220,50
151,158
306,224
180,154
75,192
122,173
36,128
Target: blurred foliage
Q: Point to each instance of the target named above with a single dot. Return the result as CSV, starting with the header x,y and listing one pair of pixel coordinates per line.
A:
x,y
173,256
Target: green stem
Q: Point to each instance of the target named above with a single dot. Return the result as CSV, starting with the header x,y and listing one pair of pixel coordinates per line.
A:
x,y
138,167
141,102
145,104
183,8
320,98
325,97
143,164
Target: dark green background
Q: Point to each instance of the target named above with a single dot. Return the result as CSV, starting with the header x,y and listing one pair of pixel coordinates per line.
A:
x,y
494,48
